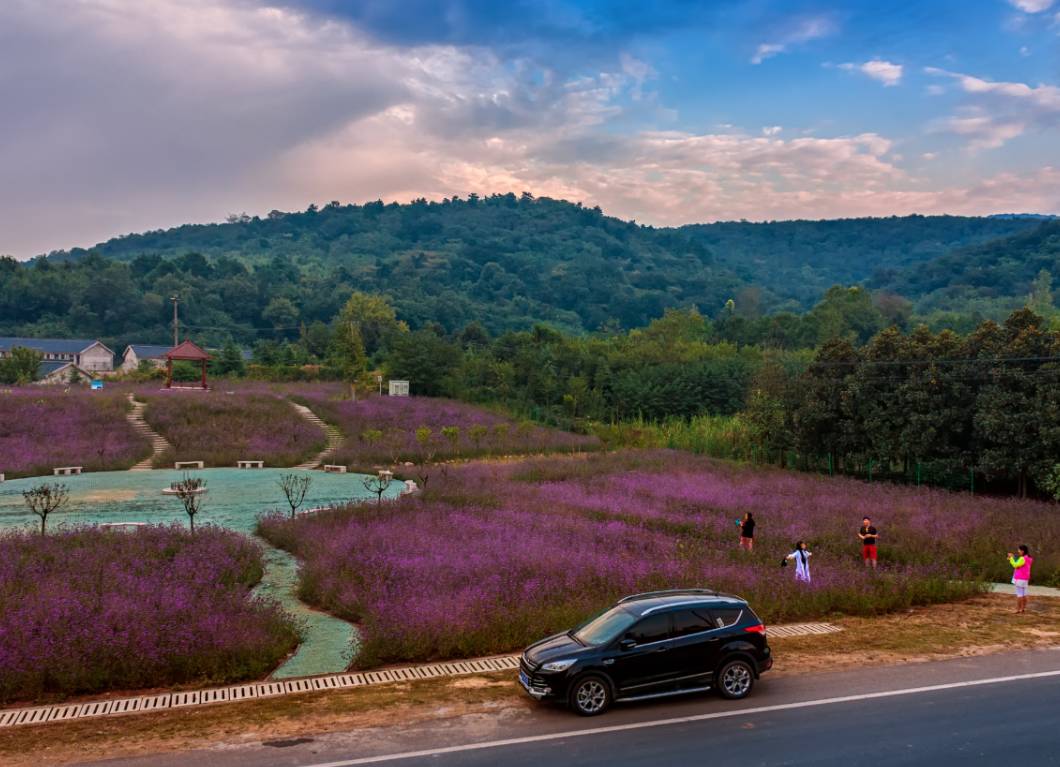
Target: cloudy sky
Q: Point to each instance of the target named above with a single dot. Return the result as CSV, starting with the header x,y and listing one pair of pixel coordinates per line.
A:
x,y
127,115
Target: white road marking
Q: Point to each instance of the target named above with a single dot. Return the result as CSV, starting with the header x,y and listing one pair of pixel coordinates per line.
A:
x,y
679,720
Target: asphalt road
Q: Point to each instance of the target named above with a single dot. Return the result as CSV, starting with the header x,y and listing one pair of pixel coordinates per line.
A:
x,y
998,709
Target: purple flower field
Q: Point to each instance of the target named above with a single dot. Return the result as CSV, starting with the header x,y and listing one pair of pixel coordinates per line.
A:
x,y
42,427
384,429
493,556
93,610
220,427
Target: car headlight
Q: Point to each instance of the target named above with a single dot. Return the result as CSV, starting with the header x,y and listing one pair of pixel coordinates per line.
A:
x,y
559,665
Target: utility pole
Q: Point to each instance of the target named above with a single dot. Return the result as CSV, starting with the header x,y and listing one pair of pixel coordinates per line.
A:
x,y
176,338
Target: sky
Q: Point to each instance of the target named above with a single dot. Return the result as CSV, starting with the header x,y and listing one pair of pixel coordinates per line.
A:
x,y
121,116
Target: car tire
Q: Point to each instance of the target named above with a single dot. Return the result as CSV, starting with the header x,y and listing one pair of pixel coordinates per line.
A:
x,y
735,679
590,695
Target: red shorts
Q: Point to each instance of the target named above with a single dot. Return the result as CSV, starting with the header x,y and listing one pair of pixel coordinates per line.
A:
x,y
868,551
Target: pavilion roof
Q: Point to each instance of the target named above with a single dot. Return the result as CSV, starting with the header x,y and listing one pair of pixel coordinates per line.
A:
x,y
186,350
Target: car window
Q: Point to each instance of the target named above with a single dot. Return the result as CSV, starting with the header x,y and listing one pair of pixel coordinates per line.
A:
x,y
605,627
654,628
726,616
692,622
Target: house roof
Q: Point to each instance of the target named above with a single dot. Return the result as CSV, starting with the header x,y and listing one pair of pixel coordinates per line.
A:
x,y
186,351
49,367
49,345
147,351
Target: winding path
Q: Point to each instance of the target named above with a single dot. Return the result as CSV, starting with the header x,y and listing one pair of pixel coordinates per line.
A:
x,y
158,443
333,434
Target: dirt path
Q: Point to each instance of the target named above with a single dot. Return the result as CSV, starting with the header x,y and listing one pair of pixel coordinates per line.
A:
x,y
158,443
333,434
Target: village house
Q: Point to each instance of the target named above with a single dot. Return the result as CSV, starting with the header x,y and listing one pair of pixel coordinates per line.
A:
x,y
137,353
60,357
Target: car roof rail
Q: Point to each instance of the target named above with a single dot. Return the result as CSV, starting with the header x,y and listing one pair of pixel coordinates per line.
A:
x,y
667,593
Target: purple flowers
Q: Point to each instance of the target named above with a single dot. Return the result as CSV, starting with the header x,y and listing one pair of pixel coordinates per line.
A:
x,y
493,556
384,430
220,428
93,610
42,427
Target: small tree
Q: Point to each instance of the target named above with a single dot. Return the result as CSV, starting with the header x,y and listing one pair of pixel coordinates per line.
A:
x,y
426,455
451,433
44,499
191,492
295,487
371,436
378,485
477,433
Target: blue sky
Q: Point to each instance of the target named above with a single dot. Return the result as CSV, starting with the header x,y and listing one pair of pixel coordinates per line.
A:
x,y
123,116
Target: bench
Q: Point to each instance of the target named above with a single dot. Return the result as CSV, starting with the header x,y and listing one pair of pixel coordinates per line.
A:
x,y
189,465
123,525
65,471
334,469
1,477
250,464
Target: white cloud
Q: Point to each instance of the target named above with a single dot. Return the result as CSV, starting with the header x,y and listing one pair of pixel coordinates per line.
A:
x,y
799,32
886,72
1031,6
771,130
999,111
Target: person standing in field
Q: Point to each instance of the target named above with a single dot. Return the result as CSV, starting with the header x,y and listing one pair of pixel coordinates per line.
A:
x,y
1021,575
801,557
747,531
868,536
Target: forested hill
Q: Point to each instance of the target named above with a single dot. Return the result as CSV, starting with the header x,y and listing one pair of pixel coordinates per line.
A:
x,y
977,277
504,261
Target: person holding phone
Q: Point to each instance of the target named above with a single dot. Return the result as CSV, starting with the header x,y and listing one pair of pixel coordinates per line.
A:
x,y
1021,575
747,531
868,536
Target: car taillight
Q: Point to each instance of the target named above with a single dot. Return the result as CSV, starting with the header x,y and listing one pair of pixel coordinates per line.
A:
x,y
756,629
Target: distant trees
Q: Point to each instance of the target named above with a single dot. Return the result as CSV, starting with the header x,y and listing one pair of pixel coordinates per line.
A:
x,y
20,366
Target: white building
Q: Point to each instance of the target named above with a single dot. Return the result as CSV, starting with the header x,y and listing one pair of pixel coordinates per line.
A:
x,y
90,357
137,353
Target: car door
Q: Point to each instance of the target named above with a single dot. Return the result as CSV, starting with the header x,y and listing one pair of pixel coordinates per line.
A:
x,y
646,665
694,646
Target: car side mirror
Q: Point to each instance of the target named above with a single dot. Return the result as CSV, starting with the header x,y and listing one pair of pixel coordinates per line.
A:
x,y
627,644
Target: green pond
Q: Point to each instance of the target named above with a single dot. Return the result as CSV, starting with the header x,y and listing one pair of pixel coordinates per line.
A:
x,y
235,499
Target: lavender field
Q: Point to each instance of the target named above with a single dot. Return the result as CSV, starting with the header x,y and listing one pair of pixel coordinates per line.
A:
x,y
222,426
494,556
93,610
394,429
42,427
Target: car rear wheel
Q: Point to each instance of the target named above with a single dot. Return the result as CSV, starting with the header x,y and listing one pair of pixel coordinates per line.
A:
x,y
735,679
590,695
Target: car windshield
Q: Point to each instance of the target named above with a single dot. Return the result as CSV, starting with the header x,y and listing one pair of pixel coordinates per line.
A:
x,y
605,627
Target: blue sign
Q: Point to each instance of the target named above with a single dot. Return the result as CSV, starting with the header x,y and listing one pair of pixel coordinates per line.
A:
x,y
97,385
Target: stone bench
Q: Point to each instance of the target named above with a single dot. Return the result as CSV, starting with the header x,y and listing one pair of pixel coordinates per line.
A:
x,y
250,464
65,471
334,469
123,525
189,465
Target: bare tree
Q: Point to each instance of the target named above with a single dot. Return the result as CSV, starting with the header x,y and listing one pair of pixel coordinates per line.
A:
x,y
44,499
191,492
378,484
295,487
427,451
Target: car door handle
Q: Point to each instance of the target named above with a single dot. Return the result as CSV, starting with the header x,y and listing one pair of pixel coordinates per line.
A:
x,y
664,648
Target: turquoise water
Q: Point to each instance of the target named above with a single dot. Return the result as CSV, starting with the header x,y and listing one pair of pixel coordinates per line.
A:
x,y
235,499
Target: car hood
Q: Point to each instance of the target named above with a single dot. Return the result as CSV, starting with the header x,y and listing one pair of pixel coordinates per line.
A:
x,y
553,648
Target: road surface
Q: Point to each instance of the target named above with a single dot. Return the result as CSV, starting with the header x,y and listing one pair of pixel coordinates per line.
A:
x,y
996,709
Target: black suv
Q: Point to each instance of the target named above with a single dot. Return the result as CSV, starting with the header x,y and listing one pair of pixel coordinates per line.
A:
x,y
648,646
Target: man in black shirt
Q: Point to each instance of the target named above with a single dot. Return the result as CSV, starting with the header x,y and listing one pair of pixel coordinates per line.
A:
x,y
868,536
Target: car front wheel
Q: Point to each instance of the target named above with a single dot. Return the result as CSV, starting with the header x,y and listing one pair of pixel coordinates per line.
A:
x,y
735,679
590,695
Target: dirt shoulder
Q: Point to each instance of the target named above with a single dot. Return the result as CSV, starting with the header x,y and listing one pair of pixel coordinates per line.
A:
x,y
980,626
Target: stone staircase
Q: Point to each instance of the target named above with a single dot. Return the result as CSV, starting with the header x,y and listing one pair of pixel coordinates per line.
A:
x,y
158,444
334,437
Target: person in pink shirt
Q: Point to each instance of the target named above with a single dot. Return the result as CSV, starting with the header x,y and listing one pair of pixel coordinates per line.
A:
x,y
1021,575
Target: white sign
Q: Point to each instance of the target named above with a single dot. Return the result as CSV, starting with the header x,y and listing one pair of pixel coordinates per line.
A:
x,y
399,388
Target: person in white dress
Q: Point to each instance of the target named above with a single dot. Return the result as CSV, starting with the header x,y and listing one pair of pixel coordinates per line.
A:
x,y
801,557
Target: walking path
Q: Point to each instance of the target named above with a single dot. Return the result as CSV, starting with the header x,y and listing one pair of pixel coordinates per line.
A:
x,y
333,434
238,692
328,643
158,442
1033,591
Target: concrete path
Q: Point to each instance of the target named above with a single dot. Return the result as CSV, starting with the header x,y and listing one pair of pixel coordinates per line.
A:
x,y
1032,591
158,443
334,437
